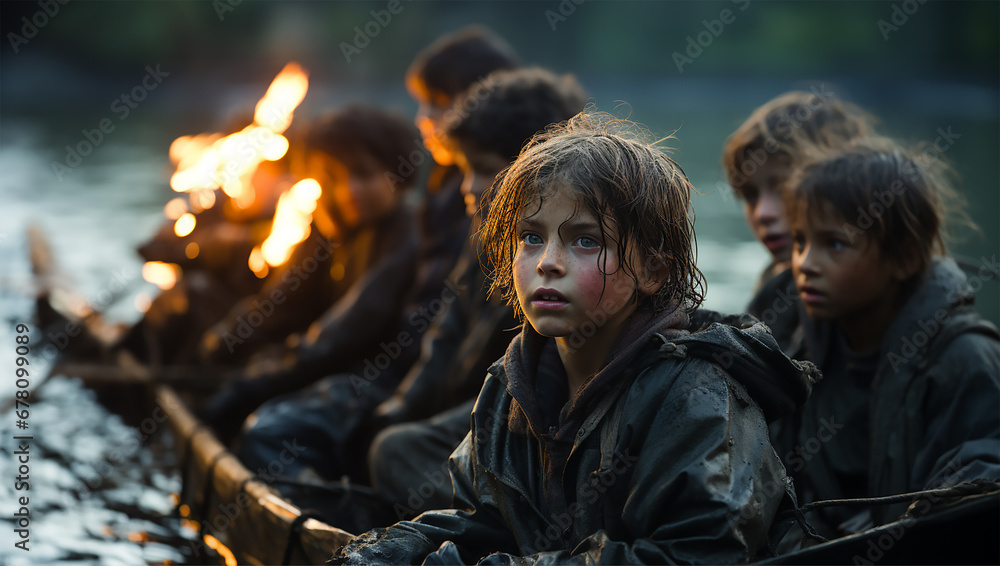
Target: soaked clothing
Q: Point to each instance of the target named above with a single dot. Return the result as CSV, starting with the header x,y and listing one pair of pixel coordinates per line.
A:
x,y
929,404
776,303
428,415
338,342
374,334
357,280
660,457
469,334
409,461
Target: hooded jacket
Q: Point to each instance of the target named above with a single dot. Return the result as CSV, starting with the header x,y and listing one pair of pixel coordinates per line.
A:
x,y
665,459
933,417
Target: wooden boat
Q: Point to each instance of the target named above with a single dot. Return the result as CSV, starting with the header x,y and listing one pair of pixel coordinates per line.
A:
x,y
248,521
236,514
245,520
241,512
241,516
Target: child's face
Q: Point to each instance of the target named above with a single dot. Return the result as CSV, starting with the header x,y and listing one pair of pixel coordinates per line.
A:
x,y
840,275
762,205
429,115
565,274
357,194
479,170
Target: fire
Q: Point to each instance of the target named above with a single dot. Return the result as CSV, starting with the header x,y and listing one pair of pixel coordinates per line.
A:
x,y
209,161
206,162
290,226
257,264
185,224
285,93
163,275
216,545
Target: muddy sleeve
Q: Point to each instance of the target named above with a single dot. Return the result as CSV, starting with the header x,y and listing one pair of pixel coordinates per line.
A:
x,y
961,441
443,536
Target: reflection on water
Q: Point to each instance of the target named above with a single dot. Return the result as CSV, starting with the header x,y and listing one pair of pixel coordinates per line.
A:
x,y
95,494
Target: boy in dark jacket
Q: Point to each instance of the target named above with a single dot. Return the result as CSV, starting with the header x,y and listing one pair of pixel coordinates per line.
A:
x,y
608,432
353,268
910,390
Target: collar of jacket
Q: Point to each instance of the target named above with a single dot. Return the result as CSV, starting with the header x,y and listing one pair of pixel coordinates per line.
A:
x,y
745,348
525,352
942,295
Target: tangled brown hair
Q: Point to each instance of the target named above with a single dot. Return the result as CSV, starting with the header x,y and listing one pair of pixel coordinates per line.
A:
x,y
794,126
900,199
627,183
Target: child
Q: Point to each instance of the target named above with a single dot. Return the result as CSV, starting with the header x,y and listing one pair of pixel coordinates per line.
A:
x,y
759,158
336,411
910,390
606,433
484,137
437,76
356,264
443,70
765,150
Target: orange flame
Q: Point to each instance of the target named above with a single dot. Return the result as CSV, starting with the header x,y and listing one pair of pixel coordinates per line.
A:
x,y
163,275
206,162
290,226
257,264
216,545
185,224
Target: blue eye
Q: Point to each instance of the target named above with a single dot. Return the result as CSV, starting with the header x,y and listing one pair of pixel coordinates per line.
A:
x,y
588,242
531,239
838,245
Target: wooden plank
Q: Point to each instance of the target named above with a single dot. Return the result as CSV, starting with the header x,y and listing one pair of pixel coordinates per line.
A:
x,y
247,515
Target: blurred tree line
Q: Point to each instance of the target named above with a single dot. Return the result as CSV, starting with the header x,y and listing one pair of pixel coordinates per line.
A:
x,y
955,38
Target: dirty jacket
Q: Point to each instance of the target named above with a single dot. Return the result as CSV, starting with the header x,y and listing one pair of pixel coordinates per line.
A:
x,y
473,330
338,344
358,281
776,303
933,417
671,464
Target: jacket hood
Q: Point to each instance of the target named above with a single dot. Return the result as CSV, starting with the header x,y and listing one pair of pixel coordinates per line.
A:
x,y
744,347
530,351
943,294
740,344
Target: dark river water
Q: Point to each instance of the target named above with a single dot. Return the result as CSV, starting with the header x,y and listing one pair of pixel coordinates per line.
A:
x,y
97,494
